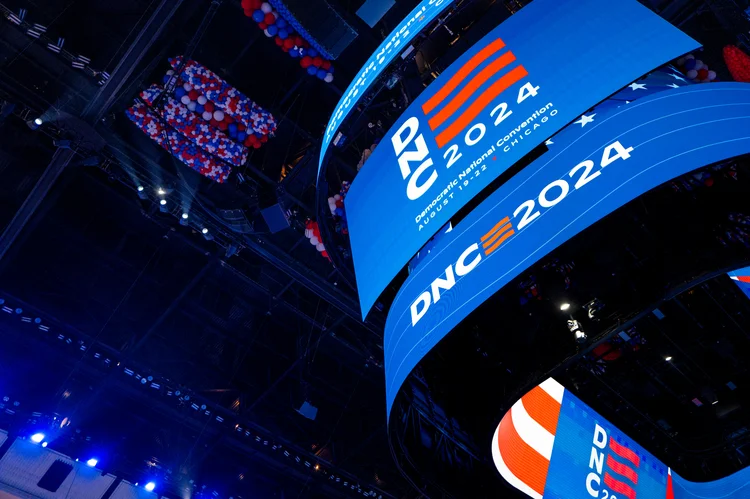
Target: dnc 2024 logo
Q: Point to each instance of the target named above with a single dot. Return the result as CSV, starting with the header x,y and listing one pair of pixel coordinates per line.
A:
x,y
455,106
613,468
549,196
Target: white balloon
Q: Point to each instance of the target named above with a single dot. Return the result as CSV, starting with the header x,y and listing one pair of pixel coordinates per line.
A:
x,y
692,74
219,115
170,72
331,200
266,7
689,56
680,61
337,197
269,35
698,65
328,78
711,75
187,86
207,115
202,100
185,99
308,233
314,241
320,247
191,105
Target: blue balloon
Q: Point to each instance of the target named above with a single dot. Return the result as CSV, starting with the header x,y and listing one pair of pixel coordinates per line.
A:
x,y
241,136
322,74
232,127
283,34
258,16
281,23
339,211
330,70
199,108
233,134
690,64
180,92
166,79
272,30
312,52
312,70
294,53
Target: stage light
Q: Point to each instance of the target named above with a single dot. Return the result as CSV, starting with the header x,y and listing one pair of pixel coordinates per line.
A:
x,y
185,216
205,230
163,202
33,124
150,486
37,438
44,444
668,358
38,122
161,191
565,306
714,402
92,462
140,188
580,336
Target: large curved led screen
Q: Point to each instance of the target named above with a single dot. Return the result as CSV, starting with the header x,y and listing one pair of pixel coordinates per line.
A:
x,y
552,445
592,168
519,85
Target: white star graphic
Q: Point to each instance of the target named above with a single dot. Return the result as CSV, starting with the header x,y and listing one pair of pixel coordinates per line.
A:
x,y
673,85
586,119
677,77
637,86
548,142
627,102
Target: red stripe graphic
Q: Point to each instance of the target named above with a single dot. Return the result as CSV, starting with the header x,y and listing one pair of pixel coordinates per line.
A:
x,y
619,487
624,452
468,90
522,460
461,74
500,86
743,278
622,469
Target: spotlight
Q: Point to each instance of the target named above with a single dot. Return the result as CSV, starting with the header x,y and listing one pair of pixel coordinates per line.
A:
x,y
714,402
580,336
161,191
33,123
37,438
185,216
206,234
140,188
150,486
92,462
44,444
668,358
565,306
163,202
38,122
575,327
205,230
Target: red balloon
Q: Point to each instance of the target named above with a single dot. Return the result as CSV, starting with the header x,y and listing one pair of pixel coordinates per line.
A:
x,y
246,4
298,41
269,19
241,127
264,139
702,74
306,61
209,106
257,145
248,142
288,43
223,125
279,41
255,4
326,65
249,13
193,94
228,119
285,48
324,253
262,25
317,61
214,123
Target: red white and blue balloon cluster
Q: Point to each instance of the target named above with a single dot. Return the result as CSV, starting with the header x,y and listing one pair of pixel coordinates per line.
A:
x,y
219,103
312,233
193,127
695,69
336,205
176,144
287,39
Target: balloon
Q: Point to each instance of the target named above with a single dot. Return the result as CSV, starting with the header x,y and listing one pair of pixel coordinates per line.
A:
x,y
199,109
317,61
278,41
232,134
711,75
699,65
241,136
314,240
320,247
267,33
281,22
298,41
294,53
306,61
703,74
313,52
337,197
185,99
233,127
266,8
690,64
258,16
288,44
321,73
326,65
222,125
269,19
187,86
246,4
339,211
166,79
202,100
330,70
283,34
193,94
191,105
689,56
273,30
210,107
328,78
256,145
255,4
219,115
249,13
179,92
207,115
262,25
312,70
692,74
